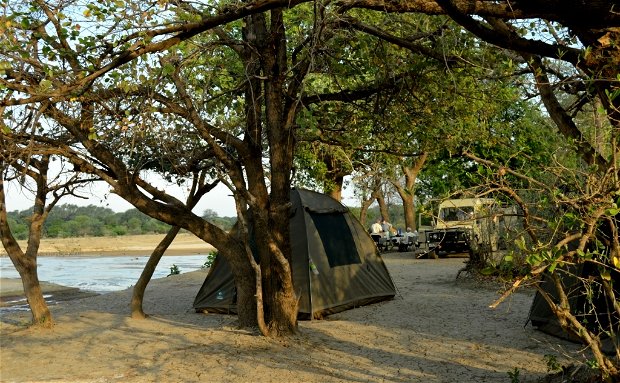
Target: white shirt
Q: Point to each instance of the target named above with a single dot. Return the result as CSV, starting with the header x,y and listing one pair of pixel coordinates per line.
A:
x,y
376,228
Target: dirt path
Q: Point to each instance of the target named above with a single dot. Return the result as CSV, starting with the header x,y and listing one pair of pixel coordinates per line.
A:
x,y
435,330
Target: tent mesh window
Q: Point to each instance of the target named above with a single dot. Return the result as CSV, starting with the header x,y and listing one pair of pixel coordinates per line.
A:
x,y
337,239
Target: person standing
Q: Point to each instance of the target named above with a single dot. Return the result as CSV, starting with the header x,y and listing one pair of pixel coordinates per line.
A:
x,y
376,227
386,227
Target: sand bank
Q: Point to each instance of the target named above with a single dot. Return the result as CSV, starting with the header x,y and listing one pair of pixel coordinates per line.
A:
x,y
184,244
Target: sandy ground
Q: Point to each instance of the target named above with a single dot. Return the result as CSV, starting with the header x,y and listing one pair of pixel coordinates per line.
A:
x,y
437,329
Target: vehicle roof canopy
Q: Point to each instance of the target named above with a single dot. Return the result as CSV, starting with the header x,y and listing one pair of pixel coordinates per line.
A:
x,y
466,202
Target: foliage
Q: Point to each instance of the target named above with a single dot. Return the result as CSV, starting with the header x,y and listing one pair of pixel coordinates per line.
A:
x,y
552,363
514,375
76,221
19,228
68,220
570,221
174,270
210,258
224,223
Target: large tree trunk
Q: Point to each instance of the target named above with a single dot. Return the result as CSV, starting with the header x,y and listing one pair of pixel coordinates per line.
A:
x,y
270,210
383,208
407,192
281,300
248,299
409,209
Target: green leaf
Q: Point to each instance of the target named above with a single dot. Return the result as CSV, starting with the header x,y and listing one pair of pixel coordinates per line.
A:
x,y
612,211
45,84
552,267
167,69
606,275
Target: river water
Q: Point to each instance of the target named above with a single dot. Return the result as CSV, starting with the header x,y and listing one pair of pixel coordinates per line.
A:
x,y
101,274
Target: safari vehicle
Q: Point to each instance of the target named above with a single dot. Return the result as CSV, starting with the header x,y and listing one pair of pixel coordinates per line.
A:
x,y
465,224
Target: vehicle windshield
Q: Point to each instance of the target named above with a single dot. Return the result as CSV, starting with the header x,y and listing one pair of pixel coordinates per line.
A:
x,y
462,213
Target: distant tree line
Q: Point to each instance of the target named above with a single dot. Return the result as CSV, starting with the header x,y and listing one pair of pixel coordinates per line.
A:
x,y
66,221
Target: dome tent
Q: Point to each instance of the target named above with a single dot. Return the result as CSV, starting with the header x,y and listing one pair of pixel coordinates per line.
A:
x,y
335,263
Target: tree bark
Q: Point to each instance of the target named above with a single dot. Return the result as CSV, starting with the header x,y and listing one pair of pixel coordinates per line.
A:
x,y
197,191
383,208
278,278
407,192
137,298
41,315
409,209
335,190
366,202
26,263
270,210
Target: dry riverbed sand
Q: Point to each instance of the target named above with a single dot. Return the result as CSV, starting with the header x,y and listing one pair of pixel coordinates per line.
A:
x,y
437,329
184,244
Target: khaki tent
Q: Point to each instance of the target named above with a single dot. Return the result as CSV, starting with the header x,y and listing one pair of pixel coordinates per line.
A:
x,y
335,263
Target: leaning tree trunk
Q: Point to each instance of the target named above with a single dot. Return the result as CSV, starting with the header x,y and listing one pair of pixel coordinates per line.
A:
x,y
568,321
375,193
137,299
198,189
26,263
364,210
